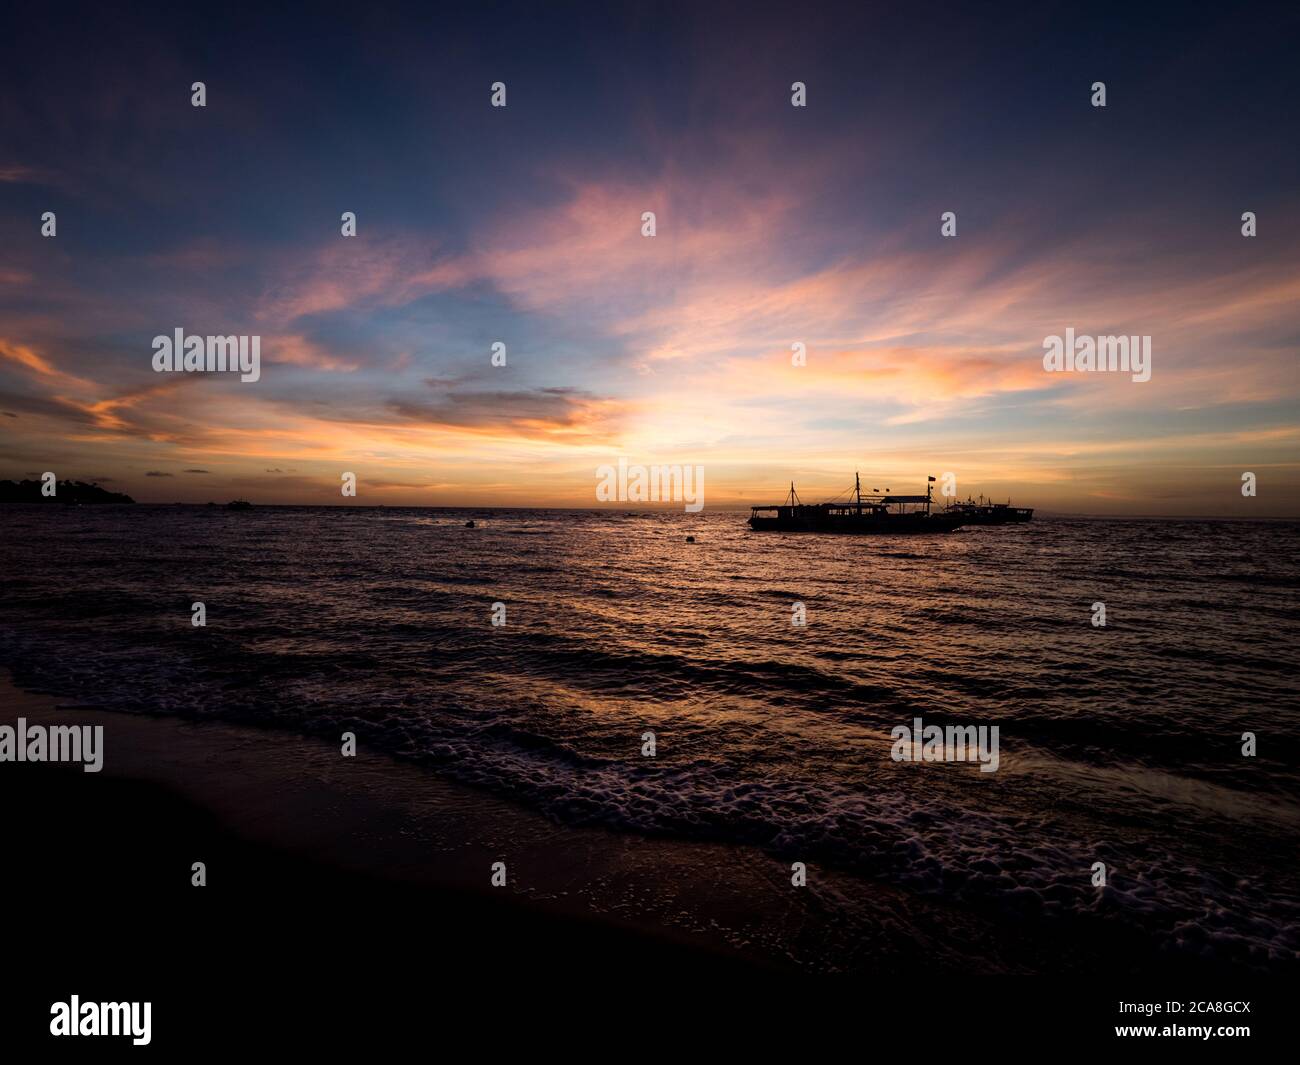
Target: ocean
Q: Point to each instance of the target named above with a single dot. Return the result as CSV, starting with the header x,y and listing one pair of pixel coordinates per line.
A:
x,y
1120,744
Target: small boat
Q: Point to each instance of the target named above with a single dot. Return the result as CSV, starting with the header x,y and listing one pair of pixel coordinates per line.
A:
x,y
873,514
239,504
990,513
470,524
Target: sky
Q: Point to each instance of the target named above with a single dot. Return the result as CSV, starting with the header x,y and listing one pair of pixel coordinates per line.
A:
x,y
775,225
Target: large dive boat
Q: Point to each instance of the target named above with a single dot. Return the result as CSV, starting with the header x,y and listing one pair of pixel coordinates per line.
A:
x,y
874,513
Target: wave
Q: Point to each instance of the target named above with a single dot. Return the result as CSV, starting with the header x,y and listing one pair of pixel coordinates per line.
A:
x,y
1120,744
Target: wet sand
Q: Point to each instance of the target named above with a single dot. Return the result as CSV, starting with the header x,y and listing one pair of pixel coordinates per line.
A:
x,y
286,825
347,890
295,835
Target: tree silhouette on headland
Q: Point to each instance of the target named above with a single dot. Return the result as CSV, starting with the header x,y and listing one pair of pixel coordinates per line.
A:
x,y
65,492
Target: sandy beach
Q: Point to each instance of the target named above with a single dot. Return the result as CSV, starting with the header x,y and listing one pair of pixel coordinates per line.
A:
x,y
287,827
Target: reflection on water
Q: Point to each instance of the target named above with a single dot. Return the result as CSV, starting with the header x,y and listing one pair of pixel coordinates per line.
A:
x,y
1119,744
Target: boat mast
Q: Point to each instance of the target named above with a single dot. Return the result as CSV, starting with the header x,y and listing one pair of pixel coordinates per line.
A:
x,y
857,487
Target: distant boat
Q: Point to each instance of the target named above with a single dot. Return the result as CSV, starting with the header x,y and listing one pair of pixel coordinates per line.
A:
x,y
469,524
990,513
239,504
873,514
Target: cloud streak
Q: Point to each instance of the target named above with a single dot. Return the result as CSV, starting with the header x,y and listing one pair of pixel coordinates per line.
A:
x,y
775,227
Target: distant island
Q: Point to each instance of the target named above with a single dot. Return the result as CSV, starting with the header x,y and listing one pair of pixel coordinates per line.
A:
x,y
65,492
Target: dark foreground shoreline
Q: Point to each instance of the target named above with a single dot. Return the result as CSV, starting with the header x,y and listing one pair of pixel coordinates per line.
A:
x,y
284,823
355,888
121,850
281,947
127,837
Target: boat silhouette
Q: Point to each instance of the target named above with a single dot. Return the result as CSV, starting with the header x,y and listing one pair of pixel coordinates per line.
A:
x,y
873,514
990,513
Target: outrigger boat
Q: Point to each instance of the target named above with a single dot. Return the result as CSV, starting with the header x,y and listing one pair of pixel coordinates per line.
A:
x,y
990,513
875,513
